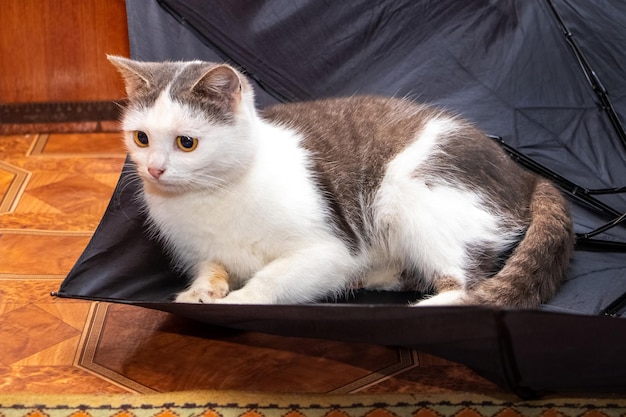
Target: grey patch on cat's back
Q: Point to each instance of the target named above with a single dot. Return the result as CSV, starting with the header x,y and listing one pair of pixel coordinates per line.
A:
x,y
481,165
351,141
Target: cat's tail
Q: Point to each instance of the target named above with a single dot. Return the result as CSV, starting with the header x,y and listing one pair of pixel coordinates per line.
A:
x,y
535,269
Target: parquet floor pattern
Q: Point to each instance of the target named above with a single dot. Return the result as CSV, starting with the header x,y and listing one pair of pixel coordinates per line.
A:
x,y
54,189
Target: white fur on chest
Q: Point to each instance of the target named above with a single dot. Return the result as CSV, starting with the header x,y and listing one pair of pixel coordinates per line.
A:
x,y
272,211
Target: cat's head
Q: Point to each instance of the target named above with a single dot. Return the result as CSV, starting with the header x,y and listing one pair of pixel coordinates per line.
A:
x,y
187,124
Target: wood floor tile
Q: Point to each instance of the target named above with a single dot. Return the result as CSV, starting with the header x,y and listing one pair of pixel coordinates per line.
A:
x,y
13,182
59,354
69,165
31,204
39,254
22,290
47,218
85,144
15,147
53,380
68,191
6,179
104,172
73,194
75,314
40,178
5,307
28,330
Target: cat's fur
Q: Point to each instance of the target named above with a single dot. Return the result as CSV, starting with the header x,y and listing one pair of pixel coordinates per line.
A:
x,y
302,201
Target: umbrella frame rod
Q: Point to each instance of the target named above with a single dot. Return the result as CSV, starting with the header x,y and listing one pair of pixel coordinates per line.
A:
x,y
584,241
607,191
591,76
581,194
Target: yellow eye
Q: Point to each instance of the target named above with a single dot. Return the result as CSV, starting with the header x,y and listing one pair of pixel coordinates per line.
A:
x,y
141,138
186,143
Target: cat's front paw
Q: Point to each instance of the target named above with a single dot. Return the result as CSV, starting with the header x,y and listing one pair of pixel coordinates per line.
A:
x,y
210,285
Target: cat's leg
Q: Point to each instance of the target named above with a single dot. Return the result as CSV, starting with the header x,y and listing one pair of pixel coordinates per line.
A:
x,y
430,237
306,275
430,241
210,283
436,231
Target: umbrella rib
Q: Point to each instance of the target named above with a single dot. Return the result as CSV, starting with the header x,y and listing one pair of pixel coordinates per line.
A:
x,y
584,241
592,76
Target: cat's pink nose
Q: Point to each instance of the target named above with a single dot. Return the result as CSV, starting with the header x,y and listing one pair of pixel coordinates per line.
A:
x,y
156,172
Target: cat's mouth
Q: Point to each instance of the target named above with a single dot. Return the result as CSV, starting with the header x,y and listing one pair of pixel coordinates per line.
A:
x,y
162,184
168,186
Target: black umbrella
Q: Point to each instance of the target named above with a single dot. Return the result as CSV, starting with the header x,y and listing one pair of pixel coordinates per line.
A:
x,y
543,77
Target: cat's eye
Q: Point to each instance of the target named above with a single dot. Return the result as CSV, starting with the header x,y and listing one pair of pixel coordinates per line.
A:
x,y
186,143
141,138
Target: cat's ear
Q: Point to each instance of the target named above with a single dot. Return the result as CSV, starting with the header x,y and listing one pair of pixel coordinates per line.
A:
x,y
220,83
136,74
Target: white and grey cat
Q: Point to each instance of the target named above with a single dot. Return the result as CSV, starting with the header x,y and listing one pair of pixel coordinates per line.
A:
x,y
301,201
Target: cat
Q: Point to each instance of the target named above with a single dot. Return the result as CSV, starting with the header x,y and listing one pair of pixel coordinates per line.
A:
x,y
303,201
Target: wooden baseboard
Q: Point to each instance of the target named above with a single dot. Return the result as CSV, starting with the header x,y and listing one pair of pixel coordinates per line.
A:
x,y
84,116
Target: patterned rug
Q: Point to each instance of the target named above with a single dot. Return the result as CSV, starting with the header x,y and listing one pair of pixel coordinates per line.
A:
x,y
235,404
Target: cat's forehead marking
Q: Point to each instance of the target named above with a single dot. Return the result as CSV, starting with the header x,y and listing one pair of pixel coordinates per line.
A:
x,y
189,75
159,78
180,90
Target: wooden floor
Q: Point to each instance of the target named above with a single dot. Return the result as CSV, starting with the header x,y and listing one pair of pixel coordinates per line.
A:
x,y
54,189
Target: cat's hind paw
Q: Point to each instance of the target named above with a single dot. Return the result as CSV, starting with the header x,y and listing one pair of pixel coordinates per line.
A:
x,y
446,298
210,284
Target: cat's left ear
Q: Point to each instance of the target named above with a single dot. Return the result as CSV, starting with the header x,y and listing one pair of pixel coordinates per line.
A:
x,y
222,83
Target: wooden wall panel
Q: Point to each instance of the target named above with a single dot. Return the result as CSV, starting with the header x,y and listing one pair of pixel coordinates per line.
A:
x,y
55,50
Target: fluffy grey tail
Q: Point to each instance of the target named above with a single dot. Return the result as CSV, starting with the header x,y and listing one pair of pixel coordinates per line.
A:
x,y
535,269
